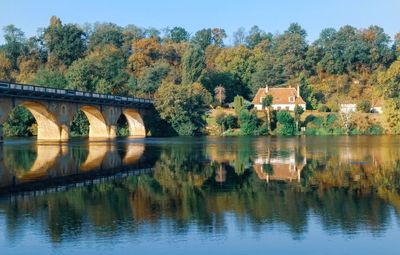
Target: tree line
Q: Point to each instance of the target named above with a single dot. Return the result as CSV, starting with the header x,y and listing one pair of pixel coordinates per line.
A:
x,y
186,73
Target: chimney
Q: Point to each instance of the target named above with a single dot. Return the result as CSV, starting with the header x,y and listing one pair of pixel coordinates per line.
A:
x,y
298,91
266,88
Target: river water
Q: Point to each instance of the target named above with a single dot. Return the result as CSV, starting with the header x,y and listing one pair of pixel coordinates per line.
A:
x,y
303,195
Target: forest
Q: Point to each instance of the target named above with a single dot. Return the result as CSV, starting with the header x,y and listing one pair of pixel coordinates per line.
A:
x,y
189,74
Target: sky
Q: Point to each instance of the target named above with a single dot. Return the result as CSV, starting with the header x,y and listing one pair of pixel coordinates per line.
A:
x,y
270,15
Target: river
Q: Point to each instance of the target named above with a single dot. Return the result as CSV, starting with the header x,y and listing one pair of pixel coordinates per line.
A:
x,y
239,195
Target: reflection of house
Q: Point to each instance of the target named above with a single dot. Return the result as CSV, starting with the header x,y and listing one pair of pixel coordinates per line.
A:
x,y
282,98
279,169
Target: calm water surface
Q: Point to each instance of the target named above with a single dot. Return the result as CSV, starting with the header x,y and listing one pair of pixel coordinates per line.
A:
x,y
309,195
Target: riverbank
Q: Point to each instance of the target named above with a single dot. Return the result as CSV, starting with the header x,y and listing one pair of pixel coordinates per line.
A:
x,y
227,122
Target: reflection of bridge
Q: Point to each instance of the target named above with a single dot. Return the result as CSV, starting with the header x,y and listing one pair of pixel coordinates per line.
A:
x,y
60,164
54,109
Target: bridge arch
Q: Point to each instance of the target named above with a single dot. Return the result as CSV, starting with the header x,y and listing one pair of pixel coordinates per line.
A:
x,y
98,127
48,127
135,123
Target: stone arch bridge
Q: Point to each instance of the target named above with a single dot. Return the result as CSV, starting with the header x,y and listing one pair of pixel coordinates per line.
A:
x,y
53,110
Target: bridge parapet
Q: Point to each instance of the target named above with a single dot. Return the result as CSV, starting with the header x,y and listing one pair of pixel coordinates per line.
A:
x,y
39,92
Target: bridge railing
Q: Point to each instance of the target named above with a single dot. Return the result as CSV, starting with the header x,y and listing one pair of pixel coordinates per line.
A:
x,y
67,92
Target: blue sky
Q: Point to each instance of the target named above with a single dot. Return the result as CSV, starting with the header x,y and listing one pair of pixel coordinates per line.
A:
x,y
271,16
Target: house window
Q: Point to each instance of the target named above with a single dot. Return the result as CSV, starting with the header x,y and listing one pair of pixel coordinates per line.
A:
x,y
291,99
261,99
287,108
279,108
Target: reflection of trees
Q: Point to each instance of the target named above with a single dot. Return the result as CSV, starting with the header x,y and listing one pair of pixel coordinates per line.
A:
x,y
186,188
19,160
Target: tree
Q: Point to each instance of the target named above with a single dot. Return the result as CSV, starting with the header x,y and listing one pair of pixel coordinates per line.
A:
x,y
220,120
151,80
219,93
146,52
103,71
5,67
239,37
231,83
248,121
19,123
218,35
104,34
298,111
290,50
285,125
238,104
202,38
193,63
266,105
178,35
256,36
65,43
231,121
182,106
49,78
15,45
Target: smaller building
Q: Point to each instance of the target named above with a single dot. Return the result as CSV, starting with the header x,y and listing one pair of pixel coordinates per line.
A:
x,y
377,106
282,98
348,107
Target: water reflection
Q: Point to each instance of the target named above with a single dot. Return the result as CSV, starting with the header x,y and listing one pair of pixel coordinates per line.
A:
x,y
349,184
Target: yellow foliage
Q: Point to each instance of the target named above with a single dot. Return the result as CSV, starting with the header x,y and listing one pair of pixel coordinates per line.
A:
x,y
145,52
5,67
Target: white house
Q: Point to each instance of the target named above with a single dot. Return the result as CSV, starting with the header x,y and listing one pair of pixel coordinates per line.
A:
x,y
282,98
347,108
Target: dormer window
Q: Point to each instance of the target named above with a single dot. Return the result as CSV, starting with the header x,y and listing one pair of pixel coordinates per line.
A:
x,y
292,99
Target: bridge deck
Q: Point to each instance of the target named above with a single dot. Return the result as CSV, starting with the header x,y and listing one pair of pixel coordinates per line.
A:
x,y
47,93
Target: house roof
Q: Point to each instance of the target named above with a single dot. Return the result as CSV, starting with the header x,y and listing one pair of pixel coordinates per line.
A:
x,y
279,96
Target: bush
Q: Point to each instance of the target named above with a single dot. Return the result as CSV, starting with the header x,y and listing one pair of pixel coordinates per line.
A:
x,y
249,123
286,124
364,106
231,121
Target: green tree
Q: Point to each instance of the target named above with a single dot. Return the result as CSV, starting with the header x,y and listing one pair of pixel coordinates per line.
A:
x,y
15,44
151,80
49,78
249,124
104,34
178,35
193,63
220,120
285,126
256,36
19,123
203,38
65,43
266,106
238,104
183,106
298,111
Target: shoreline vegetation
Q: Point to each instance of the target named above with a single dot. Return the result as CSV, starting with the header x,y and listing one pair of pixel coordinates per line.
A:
x,y
201,86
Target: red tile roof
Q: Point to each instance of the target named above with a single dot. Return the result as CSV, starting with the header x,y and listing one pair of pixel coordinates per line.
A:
x,y
279,96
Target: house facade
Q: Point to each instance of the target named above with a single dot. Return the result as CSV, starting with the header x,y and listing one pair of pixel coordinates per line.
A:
x,y
282,98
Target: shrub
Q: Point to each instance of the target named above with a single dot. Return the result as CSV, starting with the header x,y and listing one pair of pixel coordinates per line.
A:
x,y
286,124
323,108
248,122
364,106
231,121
